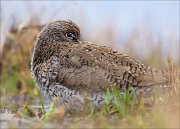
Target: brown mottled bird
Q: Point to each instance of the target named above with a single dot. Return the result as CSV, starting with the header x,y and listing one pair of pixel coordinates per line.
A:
x,y
77,72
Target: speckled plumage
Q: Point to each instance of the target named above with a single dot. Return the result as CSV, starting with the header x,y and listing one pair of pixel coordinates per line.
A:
x,y
76,71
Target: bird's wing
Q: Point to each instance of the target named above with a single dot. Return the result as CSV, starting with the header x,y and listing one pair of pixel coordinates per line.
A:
x,y
132,70
103,66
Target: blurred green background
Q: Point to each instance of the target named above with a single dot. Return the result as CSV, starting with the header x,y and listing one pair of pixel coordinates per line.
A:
x,y
146,30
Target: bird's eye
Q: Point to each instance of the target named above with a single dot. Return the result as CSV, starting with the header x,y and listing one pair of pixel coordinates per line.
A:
x,y
70,35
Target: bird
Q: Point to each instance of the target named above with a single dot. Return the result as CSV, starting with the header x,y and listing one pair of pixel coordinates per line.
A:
x,y
77,72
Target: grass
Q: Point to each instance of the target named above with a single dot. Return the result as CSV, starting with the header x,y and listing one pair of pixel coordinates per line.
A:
x,y
121,114
19,93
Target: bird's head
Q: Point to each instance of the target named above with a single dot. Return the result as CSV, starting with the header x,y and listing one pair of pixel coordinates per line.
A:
x,y
60,31
52,35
